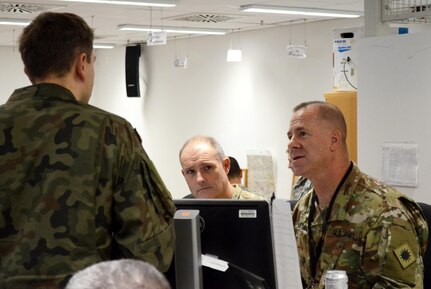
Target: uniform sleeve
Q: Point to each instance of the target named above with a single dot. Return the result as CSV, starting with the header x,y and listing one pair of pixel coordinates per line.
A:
x,y
392,254
143,209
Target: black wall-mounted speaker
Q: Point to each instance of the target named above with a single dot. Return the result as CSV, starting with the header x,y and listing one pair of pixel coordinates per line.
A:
x,y
132,70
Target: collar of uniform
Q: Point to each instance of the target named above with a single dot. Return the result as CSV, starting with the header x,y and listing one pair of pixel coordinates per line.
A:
x,y
347,191
43,90
237,192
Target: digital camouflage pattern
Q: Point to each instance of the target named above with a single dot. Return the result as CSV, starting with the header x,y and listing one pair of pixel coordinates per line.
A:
x,y
375,233
301,187
76,188
241,194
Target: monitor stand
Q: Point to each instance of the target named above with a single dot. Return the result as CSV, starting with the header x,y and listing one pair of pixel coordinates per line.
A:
x,y
188,263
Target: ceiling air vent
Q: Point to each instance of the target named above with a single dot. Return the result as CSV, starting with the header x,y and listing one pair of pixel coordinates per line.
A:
x,y
406,11
206,17
25,8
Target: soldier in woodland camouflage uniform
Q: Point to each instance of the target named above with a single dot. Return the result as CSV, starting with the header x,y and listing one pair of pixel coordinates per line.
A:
x,y
76,186
350,221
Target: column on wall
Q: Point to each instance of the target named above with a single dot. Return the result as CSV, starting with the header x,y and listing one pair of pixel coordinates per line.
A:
x,y
347,102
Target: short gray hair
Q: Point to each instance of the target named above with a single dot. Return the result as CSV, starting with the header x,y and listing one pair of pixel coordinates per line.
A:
x,y
206,139
327,112
119,274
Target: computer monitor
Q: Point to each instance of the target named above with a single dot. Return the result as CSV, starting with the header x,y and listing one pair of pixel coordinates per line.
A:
x,y
239,232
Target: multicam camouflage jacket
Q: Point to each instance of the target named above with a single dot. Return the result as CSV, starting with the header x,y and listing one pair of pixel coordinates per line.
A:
x,y
377,235
76,188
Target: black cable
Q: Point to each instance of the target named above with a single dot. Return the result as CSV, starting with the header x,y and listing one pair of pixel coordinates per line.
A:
x,y
345,74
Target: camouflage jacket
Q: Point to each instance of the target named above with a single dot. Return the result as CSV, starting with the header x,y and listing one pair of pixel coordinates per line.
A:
x,y
241,194
301,187
376,234
76,188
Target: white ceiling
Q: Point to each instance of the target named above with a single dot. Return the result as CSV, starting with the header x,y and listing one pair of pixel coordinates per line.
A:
x,y
105,18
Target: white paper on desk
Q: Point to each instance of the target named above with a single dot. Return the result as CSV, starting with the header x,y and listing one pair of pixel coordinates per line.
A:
x,y
286,252
213,262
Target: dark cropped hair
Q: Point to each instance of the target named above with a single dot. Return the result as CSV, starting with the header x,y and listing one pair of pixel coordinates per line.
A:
x,y
235,170
327,112
52,41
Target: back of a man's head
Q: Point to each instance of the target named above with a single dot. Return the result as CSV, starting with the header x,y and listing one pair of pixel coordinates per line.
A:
x,y
235,170
52,41
119,274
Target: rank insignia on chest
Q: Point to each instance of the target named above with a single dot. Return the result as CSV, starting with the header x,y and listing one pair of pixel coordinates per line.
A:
x,y
405,255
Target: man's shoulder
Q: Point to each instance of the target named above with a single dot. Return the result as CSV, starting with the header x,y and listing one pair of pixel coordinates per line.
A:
x,y
371,197
376,191
243,194
93,110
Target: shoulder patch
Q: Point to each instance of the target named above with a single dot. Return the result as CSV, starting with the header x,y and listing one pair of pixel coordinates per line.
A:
x,y
405,255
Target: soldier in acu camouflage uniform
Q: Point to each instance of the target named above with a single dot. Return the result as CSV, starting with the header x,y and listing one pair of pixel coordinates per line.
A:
x,y
76,186
205,168
350,221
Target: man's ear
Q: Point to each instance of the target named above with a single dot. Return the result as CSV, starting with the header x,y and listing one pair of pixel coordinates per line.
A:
x,y
81,65
226,164
335,138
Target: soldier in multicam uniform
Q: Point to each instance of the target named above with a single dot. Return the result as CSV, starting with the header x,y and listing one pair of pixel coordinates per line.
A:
x,y
350,221
205,168
76,186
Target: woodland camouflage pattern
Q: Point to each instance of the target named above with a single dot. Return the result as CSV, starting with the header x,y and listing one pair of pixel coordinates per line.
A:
x,y
375,233
76,188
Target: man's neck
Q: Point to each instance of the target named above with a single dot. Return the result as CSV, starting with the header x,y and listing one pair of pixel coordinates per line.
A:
x,y
229,191
326,184
62,81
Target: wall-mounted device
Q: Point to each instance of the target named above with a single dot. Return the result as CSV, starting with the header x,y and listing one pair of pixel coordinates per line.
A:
x,y
345,75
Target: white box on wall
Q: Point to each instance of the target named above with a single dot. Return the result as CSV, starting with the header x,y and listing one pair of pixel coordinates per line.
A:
x,y
345,73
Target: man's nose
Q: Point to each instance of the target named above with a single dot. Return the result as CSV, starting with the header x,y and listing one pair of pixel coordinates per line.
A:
x,y
292,144
199,177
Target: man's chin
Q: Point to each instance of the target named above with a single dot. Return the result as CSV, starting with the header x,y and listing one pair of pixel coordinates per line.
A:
x,y
205,194
297,171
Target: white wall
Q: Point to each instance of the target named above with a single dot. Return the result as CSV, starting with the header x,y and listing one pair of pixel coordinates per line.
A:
x,y
244,105
11,72
394,103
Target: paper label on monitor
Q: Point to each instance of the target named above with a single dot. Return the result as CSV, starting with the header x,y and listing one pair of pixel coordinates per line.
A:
x,y
247,214
214,263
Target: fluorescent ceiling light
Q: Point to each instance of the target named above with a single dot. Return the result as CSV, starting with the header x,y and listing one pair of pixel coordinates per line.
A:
x,y
185,30
154,3
103,45
300,11
17,22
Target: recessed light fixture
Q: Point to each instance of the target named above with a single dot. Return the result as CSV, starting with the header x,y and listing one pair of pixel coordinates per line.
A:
x,y
16,22
300,11
184,30
154,3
